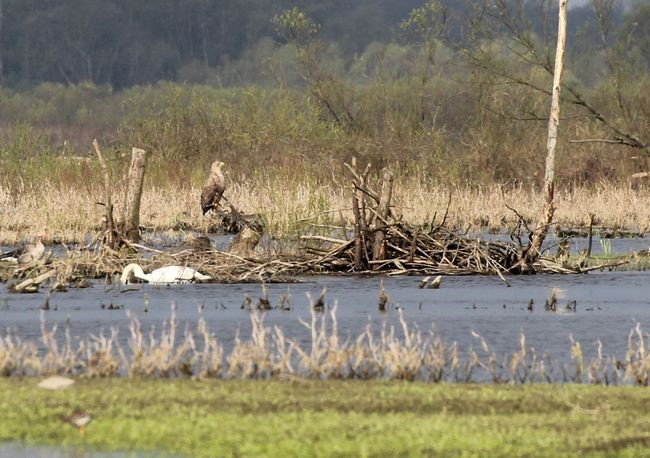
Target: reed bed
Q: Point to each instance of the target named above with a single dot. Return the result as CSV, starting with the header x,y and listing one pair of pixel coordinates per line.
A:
x,y
291,208
393,353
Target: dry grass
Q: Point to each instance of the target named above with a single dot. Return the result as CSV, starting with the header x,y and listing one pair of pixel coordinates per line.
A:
x,y
403,353
291,207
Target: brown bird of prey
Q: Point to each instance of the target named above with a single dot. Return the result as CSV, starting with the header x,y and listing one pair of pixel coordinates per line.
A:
x,y
213,189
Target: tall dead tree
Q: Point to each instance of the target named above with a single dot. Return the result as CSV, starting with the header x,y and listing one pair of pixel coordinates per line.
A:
x,y
533,251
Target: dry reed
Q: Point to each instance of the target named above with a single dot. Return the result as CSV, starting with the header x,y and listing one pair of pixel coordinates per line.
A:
x,y
402,353
291,208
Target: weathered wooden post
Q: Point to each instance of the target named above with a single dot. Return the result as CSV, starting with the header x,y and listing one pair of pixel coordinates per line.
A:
x,y
134,194
359,191
534,250
108,201
356,196
383,209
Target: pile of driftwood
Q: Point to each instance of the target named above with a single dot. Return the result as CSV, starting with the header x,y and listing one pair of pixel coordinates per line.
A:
x,y
380,242
383,243
101,262
413,250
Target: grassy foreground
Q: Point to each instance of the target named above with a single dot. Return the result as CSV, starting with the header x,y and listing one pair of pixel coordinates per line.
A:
x,y
333,418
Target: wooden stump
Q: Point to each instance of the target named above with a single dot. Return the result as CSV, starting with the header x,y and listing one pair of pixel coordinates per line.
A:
x,y
245,242
129,227
134,194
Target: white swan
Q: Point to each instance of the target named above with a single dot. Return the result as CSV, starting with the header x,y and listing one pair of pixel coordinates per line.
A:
x,y
165,275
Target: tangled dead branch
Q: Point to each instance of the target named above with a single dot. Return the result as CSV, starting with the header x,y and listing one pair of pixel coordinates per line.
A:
x,y
382,244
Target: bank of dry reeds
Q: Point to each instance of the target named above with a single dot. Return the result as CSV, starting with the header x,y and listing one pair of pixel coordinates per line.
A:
x,y
393,353
292,207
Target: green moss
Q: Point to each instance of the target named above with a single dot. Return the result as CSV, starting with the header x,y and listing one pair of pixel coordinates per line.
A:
x,y
248,418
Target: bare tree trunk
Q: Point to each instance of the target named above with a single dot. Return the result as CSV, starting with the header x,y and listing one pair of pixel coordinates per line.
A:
x,y
378,248
134,194
108,201
534,250
356,200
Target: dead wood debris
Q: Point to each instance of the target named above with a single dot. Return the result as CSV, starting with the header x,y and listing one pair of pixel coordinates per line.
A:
x,y
382,244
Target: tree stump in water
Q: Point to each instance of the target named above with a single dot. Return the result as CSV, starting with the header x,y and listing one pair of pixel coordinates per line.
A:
x,y
116,233
134,194
381,218
249,228
245,242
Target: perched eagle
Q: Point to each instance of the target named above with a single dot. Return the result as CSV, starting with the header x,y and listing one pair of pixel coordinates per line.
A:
x,y
213,189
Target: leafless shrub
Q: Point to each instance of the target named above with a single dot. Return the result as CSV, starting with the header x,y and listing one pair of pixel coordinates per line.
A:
x,y
210,358
99,356
58,359
160,356
637,358
17,357
256,358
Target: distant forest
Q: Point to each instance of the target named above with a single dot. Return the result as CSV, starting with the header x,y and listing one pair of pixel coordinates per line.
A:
x,y
123,43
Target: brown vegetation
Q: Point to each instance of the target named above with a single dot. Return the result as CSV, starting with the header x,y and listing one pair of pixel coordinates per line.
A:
x,y
291,207
390,354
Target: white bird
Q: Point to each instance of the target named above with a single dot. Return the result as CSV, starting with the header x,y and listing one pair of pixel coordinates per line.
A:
x,y
164,275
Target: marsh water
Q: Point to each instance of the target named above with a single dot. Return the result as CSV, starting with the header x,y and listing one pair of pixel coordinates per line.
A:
x,y
16,450
608,306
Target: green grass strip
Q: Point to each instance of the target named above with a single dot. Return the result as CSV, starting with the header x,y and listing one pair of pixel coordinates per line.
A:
x,y
332,418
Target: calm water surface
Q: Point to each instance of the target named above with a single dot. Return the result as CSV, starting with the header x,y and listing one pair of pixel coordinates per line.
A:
x,y
609,304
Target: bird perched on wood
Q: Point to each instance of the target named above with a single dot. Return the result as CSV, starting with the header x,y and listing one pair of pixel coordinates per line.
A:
x,y
29,253
213,189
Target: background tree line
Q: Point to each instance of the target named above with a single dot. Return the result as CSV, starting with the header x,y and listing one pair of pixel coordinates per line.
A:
x,y
123,43
454,91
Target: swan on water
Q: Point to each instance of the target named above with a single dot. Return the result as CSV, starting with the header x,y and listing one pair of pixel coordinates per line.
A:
x,y
166,275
